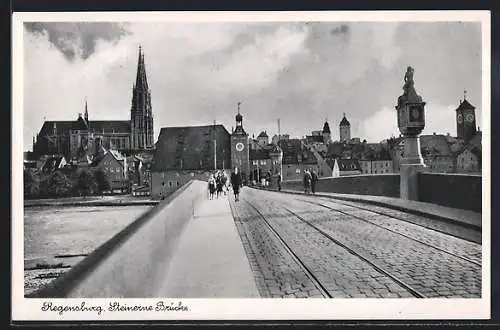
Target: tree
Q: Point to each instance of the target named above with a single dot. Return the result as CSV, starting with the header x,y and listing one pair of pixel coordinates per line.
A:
x,y
31,183
86,182
102,180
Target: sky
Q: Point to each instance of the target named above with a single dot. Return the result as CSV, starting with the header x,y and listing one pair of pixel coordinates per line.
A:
x,y
299,72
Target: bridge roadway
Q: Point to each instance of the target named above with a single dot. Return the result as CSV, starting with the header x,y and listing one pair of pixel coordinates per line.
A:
x,y
309,246
280,245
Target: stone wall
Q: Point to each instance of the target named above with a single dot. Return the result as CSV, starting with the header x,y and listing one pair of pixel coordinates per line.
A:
x,y
377,184
463,191
132,263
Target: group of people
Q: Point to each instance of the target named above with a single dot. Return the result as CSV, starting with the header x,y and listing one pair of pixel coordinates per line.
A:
x,y
310,180
218,184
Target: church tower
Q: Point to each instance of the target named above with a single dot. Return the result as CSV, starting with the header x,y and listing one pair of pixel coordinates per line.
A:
x,y
345,129
466,120
327,137
240,155
141,114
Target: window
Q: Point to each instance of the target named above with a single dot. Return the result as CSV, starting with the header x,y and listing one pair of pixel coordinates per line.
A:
x,y
177,183
118,170
111,169
170,183
262,162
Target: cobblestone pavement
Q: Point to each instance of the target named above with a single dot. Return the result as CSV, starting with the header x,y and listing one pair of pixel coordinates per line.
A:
x,y
340,273
469,234
432,272
455,245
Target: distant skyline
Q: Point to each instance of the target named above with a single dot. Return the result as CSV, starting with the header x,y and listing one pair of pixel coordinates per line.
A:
x,y
301,73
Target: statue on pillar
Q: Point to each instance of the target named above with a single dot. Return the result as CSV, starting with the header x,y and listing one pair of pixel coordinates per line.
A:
x,y
408,79
409,92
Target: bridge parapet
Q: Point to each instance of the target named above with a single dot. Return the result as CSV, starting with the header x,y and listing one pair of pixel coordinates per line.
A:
x,y
463,191
368,184
131,264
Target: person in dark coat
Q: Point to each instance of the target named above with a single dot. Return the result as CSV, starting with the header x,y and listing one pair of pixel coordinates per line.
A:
x,y
314,180
279,182
307,181
236,182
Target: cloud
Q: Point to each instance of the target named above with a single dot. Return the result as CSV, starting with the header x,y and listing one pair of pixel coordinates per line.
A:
x,y
77,40
381,125
299,72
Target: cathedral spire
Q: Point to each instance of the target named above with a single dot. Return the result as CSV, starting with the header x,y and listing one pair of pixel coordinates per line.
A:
x,y
141,82
86,114
141,114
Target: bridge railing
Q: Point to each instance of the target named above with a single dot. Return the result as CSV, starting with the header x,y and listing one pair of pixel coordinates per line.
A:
x,y
463,191
132,263
368,184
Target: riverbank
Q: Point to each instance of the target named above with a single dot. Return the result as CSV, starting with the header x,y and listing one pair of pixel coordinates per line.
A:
x,y
56,238
115,200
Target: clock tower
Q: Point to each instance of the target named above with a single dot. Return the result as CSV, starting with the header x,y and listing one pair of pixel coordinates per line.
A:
x,y
466,120
240,156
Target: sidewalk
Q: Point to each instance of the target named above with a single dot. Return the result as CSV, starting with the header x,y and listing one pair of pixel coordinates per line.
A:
x,y
468,218
210,261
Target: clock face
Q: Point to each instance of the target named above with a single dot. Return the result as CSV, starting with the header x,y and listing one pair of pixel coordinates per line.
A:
x,y
240,146
460,119
470,118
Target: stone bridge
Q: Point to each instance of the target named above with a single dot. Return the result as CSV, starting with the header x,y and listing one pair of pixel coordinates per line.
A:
x,y
353,238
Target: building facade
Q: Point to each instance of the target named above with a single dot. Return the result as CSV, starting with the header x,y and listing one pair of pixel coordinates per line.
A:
x,y
184,153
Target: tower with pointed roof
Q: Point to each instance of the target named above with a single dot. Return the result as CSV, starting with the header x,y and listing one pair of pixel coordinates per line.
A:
x,y
86,114
141,114
240,155
327,135
466,120
345,130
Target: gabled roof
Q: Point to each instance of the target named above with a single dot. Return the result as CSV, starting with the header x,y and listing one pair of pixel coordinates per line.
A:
x,y
109,126
98,126
294,152
465,105
191,148
52,163
434,145
334,149
348,164
263,134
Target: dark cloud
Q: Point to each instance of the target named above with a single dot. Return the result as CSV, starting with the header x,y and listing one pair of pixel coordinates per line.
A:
x,y
78,39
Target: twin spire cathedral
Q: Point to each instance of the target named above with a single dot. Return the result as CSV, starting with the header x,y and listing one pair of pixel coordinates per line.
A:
x,y
77,138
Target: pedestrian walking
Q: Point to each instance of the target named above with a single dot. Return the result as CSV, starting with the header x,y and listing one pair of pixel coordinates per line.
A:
x,y
236,182
307,181
211,187
279,182
314,180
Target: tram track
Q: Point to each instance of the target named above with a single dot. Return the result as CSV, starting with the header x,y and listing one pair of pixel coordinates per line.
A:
x,y
337,201
317,283
394,231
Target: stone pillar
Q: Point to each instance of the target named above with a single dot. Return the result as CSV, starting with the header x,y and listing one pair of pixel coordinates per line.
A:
x,y
411,122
